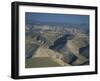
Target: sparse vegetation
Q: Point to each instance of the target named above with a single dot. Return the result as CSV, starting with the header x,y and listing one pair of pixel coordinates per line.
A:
x,y
43,43
40,62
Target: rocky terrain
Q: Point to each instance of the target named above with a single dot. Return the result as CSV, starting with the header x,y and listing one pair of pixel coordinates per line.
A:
x,y
55,45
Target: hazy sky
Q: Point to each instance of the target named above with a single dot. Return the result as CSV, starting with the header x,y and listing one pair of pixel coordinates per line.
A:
x,y
55,18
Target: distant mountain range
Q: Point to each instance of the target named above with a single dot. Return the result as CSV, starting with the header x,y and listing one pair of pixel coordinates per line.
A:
x,y
82,27
57,24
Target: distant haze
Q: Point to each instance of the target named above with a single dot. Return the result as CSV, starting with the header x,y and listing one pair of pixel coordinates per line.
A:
x,y
50,18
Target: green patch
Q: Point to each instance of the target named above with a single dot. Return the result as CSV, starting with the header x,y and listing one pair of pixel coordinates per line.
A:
x,y
40,62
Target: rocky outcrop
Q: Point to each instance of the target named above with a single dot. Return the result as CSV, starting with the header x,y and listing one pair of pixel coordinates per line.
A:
x,y
55,56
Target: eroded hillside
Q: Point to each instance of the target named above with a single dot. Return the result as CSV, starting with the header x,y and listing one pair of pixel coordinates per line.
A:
x,y
60,46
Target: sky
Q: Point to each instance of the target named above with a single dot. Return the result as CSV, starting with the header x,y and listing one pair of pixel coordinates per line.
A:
x,y
31,18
